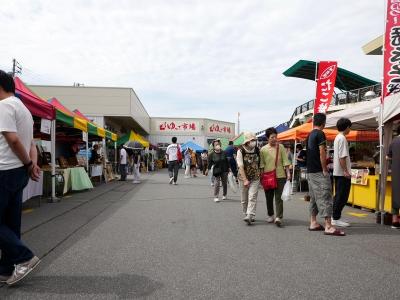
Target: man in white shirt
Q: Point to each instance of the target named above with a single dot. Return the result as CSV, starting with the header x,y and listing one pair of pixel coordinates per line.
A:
x,y
122,163
341,172
18,162
173,156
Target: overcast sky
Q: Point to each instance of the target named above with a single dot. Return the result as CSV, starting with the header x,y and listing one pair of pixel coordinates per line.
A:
x,y
207,58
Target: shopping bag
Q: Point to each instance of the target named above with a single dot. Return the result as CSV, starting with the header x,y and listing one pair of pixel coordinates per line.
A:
x,y
286,194
232,182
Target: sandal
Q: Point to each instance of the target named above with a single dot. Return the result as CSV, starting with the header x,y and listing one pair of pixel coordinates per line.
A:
x,y
337,232
318,228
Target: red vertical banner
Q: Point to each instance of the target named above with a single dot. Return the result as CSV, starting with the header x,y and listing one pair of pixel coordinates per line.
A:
x,y
391,55
326,79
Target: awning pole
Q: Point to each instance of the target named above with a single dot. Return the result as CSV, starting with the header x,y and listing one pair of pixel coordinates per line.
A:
x,y
87,153
382,184
294,166
53,161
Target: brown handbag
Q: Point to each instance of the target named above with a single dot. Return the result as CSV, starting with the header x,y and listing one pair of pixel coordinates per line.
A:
x,y
268,179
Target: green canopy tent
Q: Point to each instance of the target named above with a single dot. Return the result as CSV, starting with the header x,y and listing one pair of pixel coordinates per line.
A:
x,y
238,141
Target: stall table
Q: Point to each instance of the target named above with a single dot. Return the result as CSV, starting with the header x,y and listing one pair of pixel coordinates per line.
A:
x,y
366,196
75,179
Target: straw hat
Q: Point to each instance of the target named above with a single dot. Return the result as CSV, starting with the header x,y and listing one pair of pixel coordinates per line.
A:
x,y
248,136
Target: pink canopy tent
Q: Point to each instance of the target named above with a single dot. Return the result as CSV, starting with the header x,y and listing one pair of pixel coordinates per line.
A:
x,y
37,106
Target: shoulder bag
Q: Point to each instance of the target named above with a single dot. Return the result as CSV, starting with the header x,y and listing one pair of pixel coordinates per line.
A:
x,y
268,179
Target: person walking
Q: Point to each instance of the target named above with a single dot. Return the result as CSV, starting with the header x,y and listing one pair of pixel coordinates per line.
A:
x,y
193,163
174,157
188,160
122,163
204,162
248,161
394,157
219,163
136,160
231,155
341,172
18,162
274,157
319,183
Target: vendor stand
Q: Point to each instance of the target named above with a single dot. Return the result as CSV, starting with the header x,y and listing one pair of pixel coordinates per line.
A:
x,y
53,121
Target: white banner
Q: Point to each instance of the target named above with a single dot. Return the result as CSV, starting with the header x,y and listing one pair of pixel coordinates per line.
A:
x,y
45,126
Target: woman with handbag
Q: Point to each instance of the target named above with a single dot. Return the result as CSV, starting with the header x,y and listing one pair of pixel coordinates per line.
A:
x,y
275,167
218,161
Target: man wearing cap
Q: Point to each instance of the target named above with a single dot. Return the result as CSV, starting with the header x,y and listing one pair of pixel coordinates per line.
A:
x,y
248,161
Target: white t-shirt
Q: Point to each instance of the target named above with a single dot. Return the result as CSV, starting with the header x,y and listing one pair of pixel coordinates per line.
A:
x,y
123,156
14,117
341,150
172,152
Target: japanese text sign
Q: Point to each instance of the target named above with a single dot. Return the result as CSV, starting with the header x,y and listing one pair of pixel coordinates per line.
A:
x,y
391,58
325,85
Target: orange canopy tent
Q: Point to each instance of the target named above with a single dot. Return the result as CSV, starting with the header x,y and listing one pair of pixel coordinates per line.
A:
x,y
301,132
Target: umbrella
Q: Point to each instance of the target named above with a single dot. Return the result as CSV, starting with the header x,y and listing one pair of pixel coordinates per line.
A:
x,y
133,145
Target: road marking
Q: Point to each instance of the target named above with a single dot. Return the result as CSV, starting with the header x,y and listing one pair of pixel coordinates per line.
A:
x,y
358,215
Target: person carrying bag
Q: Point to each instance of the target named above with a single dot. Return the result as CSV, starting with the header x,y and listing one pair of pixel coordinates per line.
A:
x,y
275,167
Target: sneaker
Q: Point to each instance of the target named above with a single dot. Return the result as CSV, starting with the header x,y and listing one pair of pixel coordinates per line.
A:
x,y
23,269
396,225
252,219
136,182
175,183
278,222
4,278
212,184
247,219
216,199
340,223
223,197
171,180
270,219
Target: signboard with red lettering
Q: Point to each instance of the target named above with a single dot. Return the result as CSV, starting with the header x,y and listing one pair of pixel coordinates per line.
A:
x,y
325,85
391,55
177,126
220,128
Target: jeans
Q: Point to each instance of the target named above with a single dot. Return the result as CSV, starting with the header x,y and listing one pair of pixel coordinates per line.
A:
x,y
122,170
277,194
173,169
13,251
342,192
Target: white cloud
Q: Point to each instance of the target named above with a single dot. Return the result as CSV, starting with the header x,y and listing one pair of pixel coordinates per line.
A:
x,y
205,58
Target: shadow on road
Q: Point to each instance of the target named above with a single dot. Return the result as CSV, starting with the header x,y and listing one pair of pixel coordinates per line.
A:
x,y
125,286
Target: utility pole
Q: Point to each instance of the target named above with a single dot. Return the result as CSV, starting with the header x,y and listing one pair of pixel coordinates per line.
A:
x,y
238,122
16,69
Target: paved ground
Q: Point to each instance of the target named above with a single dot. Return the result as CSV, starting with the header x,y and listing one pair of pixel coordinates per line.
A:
x,y
157,241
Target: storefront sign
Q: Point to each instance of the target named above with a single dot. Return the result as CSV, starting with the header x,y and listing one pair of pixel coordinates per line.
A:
x,y
359,176
84,136
391,55
218,128
45,126
177,126
325,85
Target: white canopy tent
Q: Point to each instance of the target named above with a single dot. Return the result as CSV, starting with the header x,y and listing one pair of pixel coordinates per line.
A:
x,y
367,115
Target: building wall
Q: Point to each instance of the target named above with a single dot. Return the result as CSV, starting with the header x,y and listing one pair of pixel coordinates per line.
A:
x,y
98,101
189,129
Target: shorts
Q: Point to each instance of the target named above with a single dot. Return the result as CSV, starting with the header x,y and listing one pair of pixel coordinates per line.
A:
x,y
320,189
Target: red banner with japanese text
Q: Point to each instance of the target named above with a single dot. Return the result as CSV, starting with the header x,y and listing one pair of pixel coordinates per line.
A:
x,y
325,85
391,55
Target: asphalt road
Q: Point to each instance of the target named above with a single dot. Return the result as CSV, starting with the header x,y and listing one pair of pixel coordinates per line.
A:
x,y
159,241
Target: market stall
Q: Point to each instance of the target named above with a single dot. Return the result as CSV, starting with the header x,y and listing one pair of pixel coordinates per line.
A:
x,y
300,133
55,122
